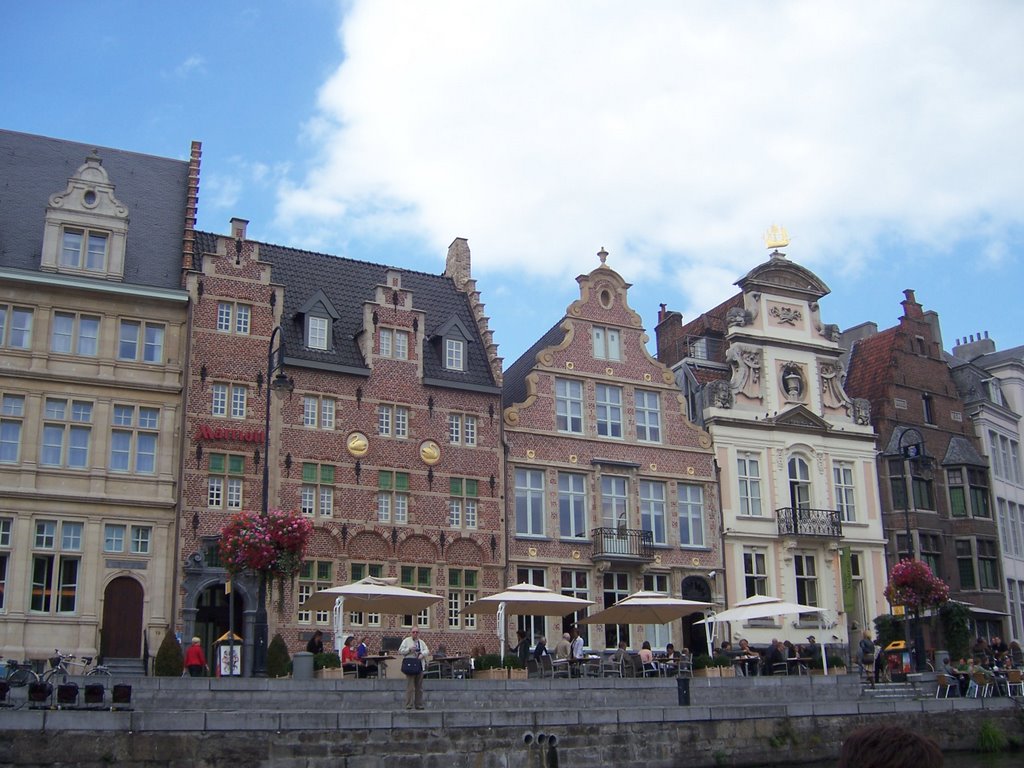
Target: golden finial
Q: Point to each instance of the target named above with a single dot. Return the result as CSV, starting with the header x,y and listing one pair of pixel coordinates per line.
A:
x,y
602,255
776,237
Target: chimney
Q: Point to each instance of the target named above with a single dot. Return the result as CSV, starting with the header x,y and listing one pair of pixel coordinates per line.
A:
x,y
911,309
238,227
457,265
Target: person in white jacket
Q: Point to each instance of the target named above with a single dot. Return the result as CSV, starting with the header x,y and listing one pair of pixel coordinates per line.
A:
x,y
414,648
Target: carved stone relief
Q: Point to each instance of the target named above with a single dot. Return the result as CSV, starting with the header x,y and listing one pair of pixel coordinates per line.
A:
x,y
793,383
745,361
719,394
862,411
785,315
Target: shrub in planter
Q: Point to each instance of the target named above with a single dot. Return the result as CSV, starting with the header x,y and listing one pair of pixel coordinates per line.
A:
x,y
169,659
489,661
278,659
702,661
328,660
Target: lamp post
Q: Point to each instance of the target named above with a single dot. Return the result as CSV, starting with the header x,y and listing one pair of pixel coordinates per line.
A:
x,y
276,380
912,451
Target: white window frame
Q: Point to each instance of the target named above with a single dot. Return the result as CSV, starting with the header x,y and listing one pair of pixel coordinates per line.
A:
x,y
134,438
608,399
530,494
75,333
805,573
84,254
317,332
12,423
71,425
15,327
454,354
654,509
569,406
748,474
114,536
648,415
691,515
845,491
607,343
572,505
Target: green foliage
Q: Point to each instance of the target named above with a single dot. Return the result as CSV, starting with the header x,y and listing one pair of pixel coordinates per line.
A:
x,y
488,661
702,661
721,661
329,660
991,737
170,661
834,662
512,661
955,618
887,629
278,658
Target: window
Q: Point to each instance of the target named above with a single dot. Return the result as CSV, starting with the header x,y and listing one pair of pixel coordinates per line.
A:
x,y
806,579
462,504
957,492
569,405
529,502
314,575
931,550
419,578
75,334
55,568
141,538
12,411
393,421
1015,521
316,332
113,538
316,497
233,318
799,484
652,510
361,571
609,410
616,587
691,515
461,429
318,412
133,439
965,563
614,502
755,571
454,354
66,433
392,497
132,333
84,249
219,400
606,343
6,524
15,327
532,625
648,416
749,473
927,410
224,488
572,505
576,584
978,480
239,397
220,394
659,635
988,567
842,474
394,343
462,587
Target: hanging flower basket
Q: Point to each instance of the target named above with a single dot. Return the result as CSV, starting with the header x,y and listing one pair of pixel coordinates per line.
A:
x,y
912,584
272,546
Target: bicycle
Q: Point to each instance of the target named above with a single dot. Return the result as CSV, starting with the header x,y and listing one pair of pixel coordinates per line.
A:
x,y
20,673
59,670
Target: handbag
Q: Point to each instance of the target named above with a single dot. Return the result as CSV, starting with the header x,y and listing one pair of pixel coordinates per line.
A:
x,y
411,666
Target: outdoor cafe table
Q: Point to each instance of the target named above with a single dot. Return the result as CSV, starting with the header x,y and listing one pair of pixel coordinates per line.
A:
x,y
381,662
747,666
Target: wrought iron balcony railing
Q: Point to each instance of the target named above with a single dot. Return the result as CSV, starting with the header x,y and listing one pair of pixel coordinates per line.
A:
x,y
623,544
809,522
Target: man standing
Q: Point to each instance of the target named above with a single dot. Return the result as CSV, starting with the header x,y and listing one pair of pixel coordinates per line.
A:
x,y
563,648
414,648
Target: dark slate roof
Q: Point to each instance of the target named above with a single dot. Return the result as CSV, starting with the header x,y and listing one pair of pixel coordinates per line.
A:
x,y
514,387
960,451
347,284
154,189
1013,354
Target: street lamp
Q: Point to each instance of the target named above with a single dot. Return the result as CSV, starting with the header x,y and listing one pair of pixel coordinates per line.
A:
x,y
276,381
912,451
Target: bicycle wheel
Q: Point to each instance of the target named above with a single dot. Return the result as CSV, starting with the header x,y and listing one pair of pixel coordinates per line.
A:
x,y
22,676
98,672
56,676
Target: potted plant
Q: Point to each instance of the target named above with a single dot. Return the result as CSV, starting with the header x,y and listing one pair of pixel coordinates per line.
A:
x,y
514,668
703,666
327,666
489,667
725,667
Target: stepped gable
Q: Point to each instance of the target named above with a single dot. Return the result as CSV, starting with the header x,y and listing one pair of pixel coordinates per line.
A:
x,y
153,189
870,359
347,285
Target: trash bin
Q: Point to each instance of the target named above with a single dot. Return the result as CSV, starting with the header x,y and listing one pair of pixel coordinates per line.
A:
x,y
897,661
683,689
302,666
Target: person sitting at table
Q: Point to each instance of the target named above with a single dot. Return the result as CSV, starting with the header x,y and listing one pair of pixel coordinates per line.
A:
x,y
792,657
541,648
365,668
812,650
1016,654
647,659
349,655
776,655
962,679
997,646
316,643
752,659
621,655
563,648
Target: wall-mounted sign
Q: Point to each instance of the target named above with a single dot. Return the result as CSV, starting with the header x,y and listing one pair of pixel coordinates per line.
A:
x,y
206,432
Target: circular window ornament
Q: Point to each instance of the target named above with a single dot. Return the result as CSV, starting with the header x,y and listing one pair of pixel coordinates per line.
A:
x,y
430,452
357,444
606,298
89,198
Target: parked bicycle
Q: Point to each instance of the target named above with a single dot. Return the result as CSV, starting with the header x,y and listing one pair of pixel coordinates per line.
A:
x,y
19,673
61,668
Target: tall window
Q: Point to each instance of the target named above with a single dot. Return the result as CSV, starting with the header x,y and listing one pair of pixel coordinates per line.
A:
x,y
55,565
988,564
140,341
978,480
419,578
609,410
799,484
606,343
616,587
652,510
927,410
233,318
6,525
361,571
462,591
965,563
72,333
648,416
12,413
392,497
461,429
393,421
576,584
755,571
748,472
317,492
239,398
394,343
318,412
572,505
133,439
84,249
931,551
806,579
957,492
532,625
842,474
659,635
229,399
224,483
691,515
314,575
529,502
455,354
569,405
15,327
66,432
614,502
462,502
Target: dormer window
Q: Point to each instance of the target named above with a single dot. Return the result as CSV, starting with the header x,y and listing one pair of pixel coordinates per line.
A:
x,y
84,249
455,354
394,343
319,317
606,343
317,332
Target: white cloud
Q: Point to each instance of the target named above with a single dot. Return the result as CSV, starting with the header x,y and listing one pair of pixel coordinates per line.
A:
x,y
194,63
670,133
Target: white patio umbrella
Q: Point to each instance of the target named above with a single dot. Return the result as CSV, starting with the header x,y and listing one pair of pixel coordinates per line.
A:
x,y
763,607
370,595
646,607
525,600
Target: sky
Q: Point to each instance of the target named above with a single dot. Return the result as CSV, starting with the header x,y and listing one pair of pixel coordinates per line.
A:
x,y
884,136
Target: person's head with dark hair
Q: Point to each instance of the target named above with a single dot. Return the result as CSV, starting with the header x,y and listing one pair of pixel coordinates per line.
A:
x,y
888,746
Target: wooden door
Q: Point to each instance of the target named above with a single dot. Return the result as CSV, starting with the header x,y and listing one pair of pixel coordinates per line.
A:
x,y
122,619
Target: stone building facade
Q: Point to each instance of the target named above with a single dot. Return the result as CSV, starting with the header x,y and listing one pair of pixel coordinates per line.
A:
x,y
611,488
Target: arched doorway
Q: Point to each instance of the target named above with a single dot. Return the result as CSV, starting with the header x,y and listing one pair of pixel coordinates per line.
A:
x,y
695,637
121,634
213,612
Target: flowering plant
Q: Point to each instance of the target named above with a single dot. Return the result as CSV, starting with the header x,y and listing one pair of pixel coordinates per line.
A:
x,y
912,583
273,545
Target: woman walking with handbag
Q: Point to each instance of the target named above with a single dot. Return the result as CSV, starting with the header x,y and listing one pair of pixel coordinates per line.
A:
x,y
413,652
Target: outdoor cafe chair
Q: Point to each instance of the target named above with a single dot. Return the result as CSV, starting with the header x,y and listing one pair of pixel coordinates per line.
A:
x,y
550,667
944,684
979,687
611,667
1014,682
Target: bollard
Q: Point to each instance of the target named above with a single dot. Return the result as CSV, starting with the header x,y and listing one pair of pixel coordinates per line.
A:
x,y
683,689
